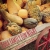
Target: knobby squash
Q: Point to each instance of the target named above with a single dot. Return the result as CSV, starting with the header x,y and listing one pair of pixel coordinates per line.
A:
x,y
33,10
13,28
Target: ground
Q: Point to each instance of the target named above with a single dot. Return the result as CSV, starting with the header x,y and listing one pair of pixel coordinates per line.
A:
x,y
30,46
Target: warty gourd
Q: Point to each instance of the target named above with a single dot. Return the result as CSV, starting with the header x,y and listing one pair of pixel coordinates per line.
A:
x,y
33,10
13,28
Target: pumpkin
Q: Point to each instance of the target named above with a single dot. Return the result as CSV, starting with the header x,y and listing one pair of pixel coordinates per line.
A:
x,y
13,28
30,22
33,10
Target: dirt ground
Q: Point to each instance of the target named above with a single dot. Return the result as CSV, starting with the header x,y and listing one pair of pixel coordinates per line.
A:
x,y
30,46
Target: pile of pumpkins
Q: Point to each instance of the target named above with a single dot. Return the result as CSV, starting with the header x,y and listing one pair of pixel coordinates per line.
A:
x,y
17,17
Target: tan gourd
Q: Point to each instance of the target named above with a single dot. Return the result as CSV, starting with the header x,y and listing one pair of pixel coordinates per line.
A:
x,y
11,17
5,35
23,13
12,6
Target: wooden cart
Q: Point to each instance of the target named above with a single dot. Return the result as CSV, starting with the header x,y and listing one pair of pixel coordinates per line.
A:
x,y
22,39
46,39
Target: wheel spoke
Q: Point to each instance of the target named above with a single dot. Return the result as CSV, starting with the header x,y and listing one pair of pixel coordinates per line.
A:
x,y
42,44
47,46
49,49
44,38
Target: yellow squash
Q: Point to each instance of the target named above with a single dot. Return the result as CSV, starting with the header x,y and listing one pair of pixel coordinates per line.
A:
x,y
13,7
11,17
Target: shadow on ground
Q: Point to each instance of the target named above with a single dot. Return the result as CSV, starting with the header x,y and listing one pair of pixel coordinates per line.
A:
x,y
30,46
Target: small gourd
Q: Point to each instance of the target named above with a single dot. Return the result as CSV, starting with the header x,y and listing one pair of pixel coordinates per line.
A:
x,y
46,15
11,17
5,35
30,22
13,28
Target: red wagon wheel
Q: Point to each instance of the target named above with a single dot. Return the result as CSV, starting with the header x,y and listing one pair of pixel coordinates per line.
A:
x,y
43,40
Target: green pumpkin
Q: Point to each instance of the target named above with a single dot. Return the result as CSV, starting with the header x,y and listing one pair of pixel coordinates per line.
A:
x,y
13,28
30,23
